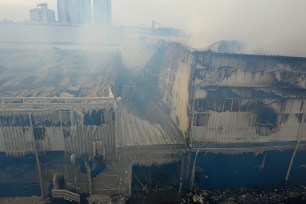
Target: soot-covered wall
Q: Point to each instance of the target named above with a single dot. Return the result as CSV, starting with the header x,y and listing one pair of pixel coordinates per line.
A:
x,y
62,130
246,98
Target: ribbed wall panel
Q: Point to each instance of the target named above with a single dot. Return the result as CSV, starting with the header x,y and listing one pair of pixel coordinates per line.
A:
x,y
241,78
55,138
234,127
2,141
132,131
61,130
16,139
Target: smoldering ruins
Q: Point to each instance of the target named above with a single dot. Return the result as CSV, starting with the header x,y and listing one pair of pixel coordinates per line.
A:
x,y
80,125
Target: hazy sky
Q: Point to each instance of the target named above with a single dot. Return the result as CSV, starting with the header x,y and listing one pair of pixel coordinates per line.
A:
x,y
271,26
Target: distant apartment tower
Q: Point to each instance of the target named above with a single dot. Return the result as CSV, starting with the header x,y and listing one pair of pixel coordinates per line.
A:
x,y
68,11
42,14
74,11
85,12
102,12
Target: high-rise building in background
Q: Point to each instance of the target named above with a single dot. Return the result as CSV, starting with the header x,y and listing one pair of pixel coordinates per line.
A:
x,y
74,11
102,12
68,11
62,11
85,12
42,14
80,12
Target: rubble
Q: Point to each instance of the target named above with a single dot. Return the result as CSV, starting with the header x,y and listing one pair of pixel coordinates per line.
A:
x,y
258,194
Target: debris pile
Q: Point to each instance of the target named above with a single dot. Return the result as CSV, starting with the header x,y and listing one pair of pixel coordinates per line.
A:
x,y
261,194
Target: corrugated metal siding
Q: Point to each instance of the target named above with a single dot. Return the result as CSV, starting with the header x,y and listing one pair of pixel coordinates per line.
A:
x,y
250,71
172,78
134,131
16,139
228,101
244,78
62,131
82,138
239,127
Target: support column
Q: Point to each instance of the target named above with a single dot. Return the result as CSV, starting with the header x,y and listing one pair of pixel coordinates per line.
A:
x,y
291,161
88,170
37,158
193,170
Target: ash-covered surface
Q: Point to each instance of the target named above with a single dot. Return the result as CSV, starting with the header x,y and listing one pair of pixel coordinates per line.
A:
x,y
51,71
259,194
22,200
242,195
163,196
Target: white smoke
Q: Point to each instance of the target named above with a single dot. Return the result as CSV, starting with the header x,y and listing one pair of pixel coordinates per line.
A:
x,y
266,27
